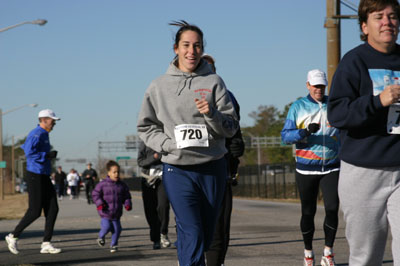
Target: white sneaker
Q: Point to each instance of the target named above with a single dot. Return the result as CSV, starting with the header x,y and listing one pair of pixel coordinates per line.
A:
x,y
47,247
328,261
165,241
309,262
12,243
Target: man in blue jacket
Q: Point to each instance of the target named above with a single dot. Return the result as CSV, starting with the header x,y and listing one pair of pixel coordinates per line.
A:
x,y
42,194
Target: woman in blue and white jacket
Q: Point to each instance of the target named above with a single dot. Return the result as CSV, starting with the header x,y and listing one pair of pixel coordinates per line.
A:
x,y
317,163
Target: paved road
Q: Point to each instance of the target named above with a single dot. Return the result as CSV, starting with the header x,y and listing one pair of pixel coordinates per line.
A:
x,y
263,233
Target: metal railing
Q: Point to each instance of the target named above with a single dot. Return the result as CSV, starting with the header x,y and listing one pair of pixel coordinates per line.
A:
x,y
273,181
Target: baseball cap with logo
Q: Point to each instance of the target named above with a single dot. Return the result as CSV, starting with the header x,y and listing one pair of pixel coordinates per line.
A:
x,y
48,113
316,77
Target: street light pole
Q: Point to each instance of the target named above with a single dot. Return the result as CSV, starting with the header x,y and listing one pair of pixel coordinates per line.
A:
x,y
20,107
12,168
1,155
39,22
1,142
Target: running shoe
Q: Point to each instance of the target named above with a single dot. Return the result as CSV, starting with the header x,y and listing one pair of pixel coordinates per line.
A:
x,y
113,249
156,245
328,261
309,262
47,247
165,241
12,243
101,242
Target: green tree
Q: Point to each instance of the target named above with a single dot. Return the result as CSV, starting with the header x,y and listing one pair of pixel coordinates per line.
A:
x,y
269,122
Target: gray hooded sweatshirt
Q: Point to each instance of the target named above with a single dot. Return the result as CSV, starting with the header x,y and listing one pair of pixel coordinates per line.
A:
x,y
169,101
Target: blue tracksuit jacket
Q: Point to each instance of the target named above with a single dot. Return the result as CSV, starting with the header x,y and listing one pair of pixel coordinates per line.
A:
x,y
319,151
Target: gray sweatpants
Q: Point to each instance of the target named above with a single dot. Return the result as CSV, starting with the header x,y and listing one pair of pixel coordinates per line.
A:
x,y
370,200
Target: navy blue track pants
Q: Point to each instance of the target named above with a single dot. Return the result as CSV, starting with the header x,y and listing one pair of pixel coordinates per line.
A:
x,y
195,193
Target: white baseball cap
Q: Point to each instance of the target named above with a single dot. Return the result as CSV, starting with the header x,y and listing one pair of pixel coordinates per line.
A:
x,y
48,113
317,77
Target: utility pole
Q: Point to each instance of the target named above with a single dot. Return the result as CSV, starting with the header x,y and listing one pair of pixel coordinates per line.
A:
x,y
12,167
332,25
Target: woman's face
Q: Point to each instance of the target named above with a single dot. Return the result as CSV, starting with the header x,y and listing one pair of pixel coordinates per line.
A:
x,y
382,28
189,51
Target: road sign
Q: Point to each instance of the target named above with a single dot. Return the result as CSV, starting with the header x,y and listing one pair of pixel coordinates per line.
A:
x,y
81,160
3,164
123,158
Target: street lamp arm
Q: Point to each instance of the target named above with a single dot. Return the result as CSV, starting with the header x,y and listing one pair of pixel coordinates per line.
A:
x,y
39,22
20,107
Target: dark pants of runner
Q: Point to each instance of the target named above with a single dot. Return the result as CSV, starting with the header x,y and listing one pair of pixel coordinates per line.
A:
x,y
308,186
74,191
195,193
219,246
60,189
41,196
156,208
89,188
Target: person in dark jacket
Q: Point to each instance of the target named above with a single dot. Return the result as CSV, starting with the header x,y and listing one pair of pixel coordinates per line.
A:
x,y
42,195
110,196
235,145
364,104
60,178
89,177
155,200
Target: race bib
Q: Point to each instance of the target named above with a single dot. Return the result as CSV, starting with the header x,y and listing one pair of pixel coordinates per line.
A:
x,y
393,124
191,135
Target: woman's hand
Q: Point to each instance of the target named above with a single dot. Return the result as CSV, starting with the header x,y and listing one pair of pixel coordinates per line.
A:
x,y
391,94
203,106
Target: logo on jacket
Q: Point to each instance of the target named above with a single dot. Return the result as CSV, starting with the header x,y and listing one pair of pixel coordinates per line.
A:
x,y
203,92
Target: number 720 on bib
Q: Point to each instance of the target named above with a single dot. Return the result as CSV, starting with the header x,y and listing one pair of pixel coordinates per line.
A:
x,y
191,135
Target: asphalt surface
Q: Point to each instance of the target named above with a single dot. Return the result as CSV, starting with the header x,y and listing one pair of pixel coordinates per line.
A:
x,y
262,233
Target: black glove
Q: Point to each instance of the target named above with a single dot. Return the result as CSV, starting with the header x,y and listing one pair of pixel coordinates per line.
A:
x,y
235,180
236,148
51,155
312,128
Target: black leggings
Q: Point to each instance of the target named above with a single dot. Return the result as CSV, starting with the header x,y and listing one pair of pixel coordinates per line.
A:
x,y
41,196
308,186
156,209
219,246
88,189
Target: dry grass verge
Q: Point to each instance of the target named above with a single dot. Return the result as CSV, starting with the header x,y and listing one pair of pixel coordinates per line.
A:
x,y
13,206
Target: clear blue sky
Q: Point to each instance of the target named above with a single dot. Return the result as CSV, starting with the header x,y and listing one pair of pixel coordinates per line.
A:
x,y
93,60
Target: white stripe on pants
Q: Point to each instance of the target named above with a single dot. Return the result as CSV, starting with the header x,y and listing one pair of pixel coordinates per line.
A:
x,y
370,200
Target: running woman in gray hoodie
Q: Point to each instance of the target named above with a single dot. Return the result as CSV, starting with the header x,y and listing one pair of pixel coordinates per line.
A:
x,y
186,115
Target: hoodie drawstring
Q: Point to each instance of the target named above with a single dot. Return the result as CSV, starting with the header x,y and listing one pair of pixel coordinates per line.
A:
x,y
184,80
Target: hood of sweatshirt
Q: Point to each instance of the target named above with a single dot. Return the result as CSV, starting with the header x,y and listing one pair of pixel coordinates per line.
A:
x,y
186,78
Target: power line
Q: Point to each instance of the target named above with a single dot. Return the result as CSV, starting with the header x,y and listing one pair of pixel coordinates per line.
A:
x,y
350,5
